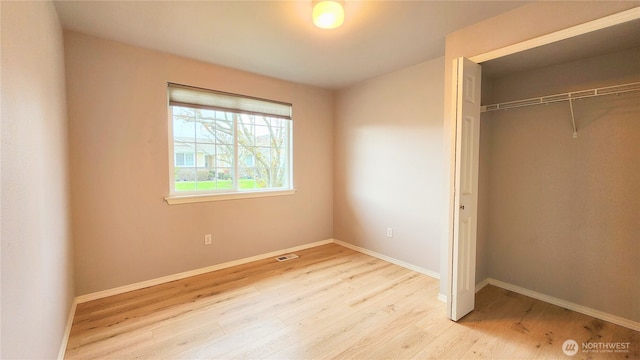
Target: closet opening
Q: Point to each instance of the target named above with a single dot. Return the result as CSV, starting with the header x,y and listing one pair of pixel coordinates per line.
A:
x,y
558,214
605,52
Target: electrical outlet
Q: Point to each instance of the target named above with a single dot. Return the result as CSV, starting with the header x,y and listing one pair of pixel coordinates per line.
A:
x,y
389,232
207,239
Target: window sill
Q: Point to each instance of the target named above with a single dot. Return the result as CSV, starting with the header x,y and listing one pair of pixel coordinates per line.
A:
x,y
187,199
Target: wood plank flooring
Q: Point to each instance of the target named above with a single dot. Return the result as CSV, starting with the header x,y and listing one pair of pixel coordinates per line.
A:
x,y
330,303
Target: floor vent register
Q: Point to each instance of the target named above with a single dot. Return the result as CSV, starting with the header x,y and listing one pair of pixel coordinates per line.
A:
x,y
287,257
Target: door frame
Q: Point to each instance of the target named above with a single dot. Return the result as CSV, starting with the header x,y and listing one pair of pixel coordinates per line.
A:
x,y
570,32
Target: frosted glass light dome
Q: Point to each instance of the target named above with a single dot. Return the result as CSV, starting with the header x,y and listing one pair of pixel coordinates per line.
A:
x,y
328,14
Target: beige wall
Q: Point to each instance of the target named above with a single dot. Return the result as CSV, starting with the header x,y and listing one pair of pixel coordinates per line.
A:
x,y
564,213
37,279
123,229
524,23
388,164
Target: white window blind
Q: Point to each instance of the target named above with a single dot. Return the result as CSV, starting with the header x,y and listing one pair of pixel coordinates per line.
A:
x,y
182,95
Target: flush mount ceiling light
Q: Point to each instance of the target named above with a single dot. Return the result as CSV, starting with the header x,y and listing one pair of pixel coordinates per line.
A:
x,y
328,14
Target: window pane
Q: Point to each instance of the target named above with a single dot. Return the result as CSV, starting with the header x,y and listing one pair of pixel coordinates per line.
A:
x,y
277,177
184,124
189,159
183,155
262,178
224,177
206,132
247,179
224,132
206,126
246,119
246,135
262,121
278,155
204,155
224,156
247,160
179,159
205,184
262,135
185,179
264,154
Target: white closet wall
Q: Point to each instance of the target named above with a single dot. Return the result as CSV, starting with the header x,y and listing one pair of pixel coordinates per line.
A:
x,y
558,215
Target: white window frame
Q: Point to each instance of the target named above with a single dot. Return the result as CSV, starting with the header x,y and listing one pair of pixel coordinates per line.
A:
x,y
247,105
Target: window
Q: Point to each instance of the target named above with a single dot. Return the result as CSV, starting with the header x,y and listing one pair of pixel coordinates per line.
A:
x,y
227,144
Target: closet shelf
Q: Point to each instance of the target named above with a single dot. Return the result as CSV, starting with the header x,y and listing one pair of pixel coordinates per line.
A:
x,y
569,96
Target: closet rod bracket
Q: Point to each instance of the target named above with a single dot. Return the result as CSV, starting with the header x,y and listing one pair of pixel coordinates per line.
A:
x,y
573,119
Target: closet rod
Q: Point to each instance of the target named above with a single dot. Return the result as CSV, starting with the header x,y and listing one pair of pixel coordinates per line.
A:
x,y
609,90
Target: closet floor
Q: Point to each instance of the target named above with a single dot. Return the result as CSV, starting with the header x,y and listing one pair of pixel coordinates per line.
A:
x,y
330,303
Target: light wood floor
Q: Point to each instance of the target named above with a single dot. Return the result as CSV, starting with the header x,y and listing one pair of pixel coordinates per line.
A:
x,y
331,303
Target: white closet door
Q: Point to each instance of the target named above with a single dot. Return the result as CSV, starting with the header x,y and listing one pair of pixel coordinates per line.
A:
x,y
467,113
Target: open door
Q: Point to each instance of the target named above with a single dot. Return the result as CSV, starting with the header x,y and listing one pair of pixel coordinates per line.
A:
x,y
465,209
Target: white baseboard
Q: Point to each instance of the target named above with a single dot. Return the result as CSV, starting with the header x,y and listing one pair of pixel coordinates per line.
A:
x,y
630,324
165,279
406,265
482,284
67,330
161,280
442,298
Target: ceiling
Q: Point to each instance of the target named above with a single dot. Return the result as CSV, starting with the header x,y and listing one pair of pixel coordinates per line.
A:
x,y
278,39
